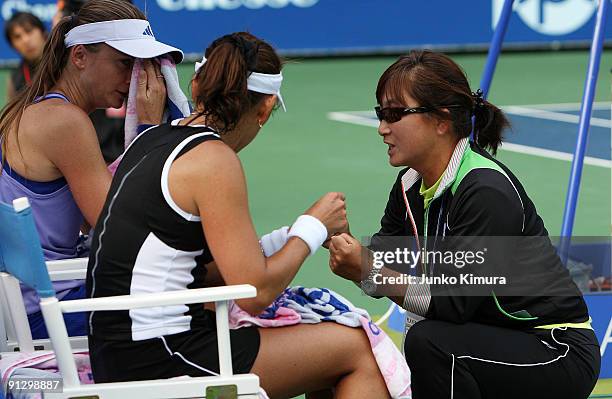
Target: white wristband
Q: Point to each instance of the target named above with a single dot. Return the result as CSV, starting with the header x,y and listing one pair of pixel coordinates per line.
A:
x,y
310,230
272,242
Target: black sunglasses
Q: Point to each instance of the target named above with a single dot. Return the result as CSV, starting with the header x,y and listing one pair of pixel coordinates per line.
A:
x,y
394,114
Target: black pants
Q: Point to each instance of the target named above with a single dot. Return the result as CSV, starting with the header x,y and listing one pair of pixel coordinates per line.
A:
x,y
475,361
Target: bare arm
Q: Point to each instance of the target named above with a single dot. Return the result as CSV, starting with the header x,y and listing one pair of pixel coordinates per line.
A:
x,y
70,143
231,236
219,193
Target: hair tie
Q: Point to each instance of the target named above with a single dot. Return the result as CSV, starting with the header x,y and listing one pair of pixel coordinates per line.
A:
x,y
478,98
250,55
248,50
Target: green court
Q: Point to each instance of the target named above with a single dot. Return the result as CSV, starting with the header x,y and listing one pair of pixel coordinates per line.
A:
x,y
302,154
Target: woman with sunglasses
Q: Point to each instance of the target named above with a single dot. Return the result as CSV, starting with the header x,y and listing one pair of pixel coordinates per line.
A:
x,y
492,311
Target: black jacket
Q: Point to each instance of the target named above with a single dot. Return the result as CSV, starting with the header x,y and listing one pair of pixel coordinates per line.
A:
x,y
22,76
480,205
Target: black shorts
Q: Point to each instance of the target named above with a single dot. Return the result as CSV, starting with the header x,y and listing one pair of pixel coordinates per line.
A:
x,y
157,358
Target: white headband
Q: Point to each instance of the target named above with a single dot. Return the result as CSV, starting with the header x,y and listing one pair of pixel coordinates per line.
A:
x,y
259,82
133,37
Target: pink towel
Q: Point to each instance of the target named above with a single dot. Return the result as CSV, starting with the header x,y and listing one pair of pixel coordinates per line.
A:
x,y
391,363
239,318
43,361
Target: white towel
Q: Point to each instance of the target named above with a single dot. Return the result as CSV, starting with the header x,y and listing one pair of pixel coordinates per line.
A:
x,y
177,104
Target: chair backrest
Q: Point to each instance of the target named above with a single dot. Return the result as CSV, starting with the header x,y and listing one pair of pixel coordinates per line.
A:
x,y
21,257
20,253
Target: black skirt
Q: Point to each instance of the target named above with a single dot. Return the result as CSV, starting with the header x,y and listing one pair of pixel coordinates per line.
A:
x,y
193,353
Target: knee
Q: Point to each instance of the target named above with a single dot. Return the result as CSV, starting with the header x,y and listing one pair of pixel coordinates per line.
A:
x,y
349,348
359,353
417,344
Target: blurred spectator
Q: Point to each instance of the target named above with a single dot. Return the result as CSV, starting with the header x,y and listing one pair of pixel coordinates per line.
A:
x,y
27,35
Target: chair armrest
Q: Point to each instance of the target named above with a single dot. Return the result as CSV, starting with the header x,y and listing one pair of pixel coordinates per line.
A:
x,y
183,297
63,275
67,265
67,269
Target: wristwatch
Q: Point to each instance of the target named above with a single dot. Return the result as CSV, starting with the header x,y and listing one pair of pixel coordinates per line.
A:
x,y
368,285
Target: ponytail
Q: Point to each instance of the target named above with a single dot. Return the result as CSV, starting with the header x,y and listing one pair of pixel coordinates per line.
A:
x,y
225,86
222,82
489,125
48,72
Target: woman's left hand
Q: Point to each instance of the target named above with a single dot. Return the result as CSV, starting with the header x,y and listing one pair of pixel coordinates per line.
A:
x,y
345,257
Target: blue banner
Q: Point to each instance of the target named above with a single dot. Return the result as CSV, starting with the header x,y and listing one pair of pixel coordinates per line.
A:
x,y
600,310
352,26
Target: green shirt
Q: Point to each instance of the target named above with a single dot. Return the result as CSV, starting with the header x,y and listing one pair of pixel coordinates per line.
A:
x,y
428,193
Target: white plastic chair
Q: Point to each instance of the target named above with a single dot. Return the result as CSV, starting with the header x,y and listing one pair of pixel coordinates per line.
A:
x,y
21,259
14,324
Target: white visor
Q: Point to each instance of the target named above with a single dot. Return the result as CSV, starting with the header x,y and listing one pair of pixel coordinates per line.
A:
x,y
133,37
259,82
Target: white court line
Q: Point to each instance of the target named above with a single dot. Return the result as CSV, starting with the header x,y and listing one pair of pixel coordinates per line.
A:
x,y
357,118
553,116
563,156
350,117
598,105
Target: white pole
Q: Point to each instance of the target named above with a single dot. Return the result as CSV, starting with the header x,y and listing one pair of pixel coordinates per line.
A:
x,y
52,314
223,338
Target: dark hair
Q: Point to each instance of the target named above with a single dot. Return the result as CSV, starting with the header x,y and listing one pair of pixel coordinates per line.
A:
x,y
222,81
433,79
23,19
55,57
72,7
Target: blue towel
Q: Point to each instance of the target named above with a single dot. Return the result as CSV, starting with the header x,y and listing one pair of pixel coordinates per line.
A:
x,y
317,304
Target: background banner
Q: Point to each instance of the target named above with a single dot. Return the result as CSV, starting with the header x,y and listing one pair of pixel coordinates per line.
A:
x,y
325,27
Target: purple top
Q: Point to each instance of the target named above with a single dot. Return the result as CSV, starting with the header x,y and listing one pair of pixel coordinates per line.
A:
x,y
57,218
58,221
